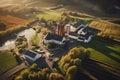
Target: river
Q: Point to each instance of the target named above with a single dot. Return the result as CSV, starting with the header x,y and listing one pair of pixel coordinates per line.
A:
x,y
10,43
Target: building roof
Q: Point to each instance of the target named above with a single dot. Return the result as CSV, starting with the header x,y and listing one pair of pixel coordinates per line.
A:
x,y
29,53
81,22
84,36
90,30
53,36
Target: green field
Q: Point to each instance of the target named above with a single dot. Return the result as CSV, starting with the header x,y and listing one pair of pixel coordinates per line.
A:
x,y
104,52
54,15
7,61
35,39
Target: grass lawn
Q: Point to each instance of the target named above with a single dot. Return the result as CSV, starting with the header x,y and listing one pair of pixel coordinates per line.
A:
x,y
54,15
7,61
35,40
81,18
105,52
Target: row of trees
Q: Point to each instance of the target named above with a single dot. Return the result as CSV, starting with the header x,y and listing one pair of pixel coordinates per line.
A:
x,y
21,43
70,64
34,73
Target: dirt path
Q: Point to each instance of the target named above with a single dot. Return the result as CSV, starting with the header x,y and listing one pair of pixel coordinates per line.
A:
x,y
10,72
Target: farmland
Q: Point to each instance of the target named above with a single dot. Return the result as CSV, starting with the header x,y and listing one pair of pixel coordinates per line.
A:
x,y
12,21
104,52
7,61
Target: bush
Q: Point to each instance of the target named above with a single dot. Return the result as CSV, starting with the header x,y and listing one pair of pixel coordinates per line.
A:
x,y
56,76
71,73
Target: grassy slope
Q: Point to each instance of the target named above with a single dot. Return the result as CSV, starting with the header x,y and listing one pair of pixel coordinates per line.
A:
x,y
35,39
104,52
107,28
50,15
7,61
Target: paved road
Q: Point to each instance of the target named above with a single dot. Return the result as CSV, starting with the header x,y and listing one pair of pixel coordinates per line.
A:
x,y
12,71
47,53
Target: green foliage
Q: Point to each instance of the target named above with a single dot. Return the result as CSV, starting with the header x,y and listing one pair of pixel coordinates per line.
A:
x,y
71,63
56,76
71,72
34,73
19,77
25,74
21,43
32,76
33,67
35,39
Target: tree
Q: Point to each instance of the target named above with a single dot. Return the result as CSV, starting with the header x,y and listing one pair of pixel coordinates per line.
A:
x,y
33,67
45,72
25,74
32,76
56,76
71,73
19,78
77,62
87,54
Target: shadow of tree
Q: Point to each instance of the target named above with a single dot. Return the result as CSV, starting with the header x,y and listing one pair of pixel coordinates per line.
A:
x,y
98,71
19,61
102,47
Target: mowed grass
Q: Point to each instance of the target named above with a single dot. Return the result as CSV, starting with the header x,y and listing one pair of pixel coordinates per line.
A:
x,y
88,20
35,39
54,15
104,52
7,61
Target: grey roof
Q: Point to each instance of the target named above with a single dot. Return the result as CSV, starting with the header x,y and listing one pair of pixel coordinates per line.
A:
x,y
29,53
79,23
90,30
84,36
53,36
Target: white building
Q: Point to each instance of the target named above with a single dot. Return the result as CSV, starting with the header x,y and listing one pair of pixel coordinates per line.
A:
x,y
31,56
53,38
81,32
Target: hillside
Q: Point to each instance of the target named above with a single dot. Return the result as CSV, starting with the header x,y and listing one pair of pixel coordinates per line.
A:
x,y
98,8
107,6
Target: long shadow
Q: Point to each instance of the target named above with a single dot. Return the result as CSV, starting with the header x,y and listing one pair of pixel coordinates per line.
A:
x,y
19,61
98,71
102,47
42,63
